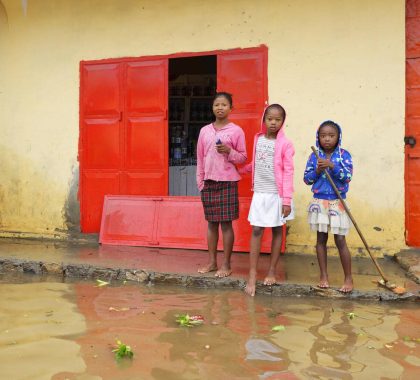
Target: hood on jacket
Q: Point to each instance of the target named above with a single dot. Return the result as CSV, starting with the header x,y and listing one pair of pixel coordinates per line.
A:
x,y
263,129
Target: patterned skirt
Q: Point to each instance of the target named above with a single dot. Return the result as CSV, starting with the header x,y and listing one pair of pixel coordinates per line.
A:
x,y
220,201
324,214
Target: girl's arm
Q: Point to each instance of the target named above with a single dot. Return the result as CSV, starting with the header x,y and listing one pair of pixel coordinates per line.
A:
x,y
288,172
237,154
200,163
310,176
343,171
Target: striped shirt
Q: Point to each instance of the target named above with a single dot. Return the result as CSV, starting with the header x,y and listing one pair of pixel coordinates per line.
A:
x,y
264,181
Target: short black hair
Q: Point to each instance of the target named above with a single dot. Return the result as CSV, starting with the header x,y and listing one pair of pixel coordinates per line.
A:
x,y
275,106
224,95
330,123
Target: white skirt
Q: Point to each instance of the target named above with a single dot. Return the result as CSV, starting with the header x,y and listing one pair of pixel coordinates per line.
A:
x,y
324,214
266,210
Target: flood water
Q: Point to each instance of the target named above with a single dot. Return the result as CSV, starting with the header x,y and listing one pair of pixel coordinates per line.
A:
x,y
51,330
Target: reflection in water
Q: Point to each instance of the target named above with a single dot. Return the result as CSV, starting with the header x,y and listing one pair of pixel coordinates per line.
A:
x,y
320,339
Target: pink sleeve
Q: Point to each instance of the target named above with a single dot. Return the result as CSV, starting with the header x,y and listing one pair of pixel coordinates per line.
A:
x,y
200,162
245,169
288,172
237,154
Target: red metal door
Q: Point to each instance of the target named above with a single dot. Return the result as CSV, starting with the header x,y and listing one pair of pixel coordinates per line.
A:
x,y
123,133
146,147
101,136
243,73
412,126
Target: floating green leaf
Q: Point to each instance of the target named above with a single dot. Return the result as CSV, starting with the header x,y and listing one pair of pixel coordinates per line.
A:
x,y
278,328
410,339
351,315
189,320
122,351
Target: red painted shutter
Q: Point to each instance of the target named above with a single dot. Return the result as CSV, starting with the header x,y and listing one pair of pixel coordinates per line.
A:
x,y
146,143
100,139
412,124
243,73
123,133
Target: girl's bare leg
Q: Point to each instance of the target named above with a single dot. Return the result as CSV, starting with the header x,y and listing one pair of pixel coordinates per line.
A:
x,y
254,255
345,257
270,279
321,253
212,239
228,238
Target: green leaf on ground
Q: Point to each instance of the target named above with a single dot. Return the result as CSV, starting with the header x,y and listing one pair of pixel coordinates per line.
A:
x,y
278,328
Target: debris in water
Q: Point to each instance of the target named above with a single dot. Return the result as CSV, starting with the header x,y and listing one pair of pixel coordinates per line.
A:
x,y
278,328
189,320
122,351
100,283
111,308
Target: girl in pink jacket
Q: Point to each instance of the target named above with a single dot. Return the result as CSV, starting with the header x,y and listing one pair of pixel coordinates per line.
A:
x,y
272,182
221,146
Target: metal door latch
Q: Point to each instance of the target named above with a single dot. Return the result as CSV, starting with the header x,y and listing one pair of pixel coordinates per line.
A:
x,y
410,140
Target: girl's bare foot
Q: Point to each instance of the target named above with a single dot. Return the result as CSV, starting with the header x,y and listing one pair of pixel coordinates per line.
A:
x,y
250,286
270,280
323,283
348,286
224,271
208,268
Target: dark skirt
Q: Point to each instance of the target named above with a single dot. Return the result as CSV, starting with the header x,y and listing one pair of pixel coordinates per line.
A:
x,y
220,201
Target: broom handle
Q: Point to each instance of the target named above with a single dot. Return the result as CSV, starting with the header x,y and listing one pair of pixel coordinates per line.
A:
x,y
351,217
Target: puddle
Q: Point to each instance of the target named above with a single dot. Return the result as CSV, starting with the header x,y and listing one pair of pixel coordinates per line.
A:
x,y
51,330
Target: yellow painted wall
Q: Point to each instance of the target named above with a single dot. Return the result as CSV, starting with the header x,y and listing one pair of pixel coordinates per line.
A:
x,y
328,59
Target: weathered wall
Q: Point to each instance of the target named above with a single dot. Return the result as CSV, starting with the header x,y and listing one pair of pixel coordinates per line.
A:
x,y
328,59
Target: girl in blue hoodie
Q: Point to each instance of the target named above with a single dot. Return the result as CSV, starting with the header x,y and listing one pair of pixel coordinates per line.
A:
x,y
325,210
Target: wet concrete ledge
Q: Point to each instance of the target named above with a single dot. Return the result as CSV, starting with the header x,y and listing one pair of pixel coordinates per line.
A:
x,y
120,275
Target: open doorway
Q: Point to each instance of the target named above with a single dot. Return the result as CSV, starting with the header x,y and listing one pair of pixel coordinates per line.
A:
x,y
192,85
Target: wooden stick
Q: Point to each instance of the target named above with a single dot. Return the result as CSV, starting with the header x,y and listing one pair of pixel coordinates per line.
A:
x,y
351,217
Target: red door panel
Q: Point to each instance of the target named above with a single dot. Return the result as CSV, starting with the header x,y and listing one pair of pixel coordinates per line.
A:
x,y
95,185
102,143
101,90
412,124
146,154
129,219
243,73
148,183
171,222
100,139
146,144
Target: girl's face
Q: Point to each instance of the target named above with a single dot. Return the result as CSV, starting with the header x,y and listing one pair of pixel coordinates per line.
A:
x,y
273,120
328,138
221,107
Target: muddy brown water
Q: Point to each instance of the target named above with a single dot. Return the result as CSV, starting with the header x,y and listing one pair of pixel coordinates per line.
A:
x,y
52,330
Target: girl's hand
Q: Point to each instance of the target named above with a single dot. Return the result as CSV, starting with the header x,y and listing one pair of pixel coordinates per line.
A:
x,y
222,148
286,210
323,164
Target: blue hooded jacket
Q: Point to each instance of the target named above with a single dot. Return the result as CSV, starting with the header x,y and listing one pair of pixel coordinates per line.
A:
x,y
341,173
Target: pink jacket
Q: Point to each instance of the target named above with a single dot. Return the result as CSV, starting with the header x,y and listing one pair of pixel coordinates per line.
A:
x,y
216,166
283,164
